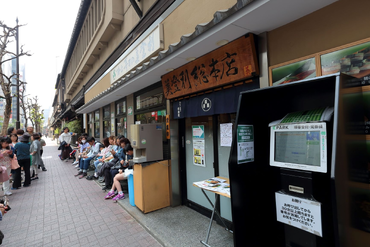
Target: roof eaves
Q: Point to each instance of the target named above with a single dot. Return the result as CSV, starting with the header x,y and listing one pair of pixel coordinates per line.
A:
x,y
218,17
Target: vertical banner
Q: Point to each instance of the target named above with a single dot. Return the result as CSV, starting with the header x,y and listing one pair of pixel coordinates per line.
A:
x,y
168,133
199,155
245,143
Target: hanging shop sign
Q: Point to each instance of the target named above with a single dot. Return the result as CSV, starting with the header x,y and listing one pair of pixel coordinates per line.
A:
x,y
168,132
150,45
232,62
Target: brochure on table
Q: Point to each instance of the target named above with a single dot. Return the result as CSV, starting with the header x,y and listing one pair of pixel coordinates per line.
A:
x,y
214,184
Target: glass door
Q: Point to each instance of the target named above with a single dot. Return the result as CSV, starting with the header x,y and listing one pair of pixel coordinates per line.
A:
x,y
199,157
225,124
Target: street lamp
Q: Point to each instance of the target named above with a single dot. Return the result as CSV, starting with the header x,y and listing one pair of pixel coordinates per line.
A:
x,y
17,124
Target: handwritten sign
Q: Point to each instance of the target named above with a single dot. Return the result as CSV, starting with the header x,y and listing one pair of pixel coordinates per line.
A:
x,y
232,62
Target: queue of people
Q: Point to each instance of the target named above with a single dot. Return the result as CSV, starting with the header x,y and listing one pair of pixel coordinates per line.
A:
x,y
110,159
20,151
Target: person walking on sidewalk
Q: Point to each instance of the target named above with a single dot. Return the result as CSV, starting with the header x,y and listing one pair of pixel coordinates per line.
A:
x,y
42,143
85,161
22,149
6,157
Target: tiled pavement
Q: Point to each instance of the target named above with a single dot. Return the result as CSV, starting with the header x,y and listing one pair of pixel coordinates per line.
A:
x,y
59,209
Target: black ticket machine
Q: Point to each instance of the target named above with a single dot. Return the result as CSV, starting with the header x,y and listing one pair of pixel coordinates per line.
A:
x,y
288,167
299,145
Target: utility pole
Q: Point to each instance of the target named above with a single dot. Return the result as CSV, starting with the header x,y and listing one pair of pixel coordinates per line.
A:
x,y
17,124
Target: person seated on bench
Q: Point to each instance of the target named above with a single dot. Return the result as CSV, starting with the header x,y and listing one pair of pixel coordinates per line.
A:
x,y
114,169
121,176
85,161
119,157
104,150
84,148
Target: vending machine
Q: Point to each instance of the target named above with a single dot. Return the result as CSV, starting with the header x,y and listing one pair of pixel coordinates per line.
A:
x,y
147,142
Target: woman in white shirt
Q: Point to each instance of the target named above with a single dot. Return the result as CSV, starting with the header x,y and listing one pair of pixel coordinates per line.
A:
x,y
66,136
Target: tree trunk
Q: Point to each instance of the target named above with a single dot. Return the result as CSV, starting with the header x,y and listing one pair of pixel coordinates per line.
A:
x,y
7,112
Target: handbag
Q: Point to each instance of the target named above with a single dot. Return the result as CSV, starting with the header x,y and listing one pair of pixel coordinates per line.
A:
x,y
14,164
3,174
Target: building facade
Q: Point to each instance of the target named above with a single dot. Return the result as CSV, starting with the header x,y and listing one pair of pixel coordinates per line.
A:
x,y
139,62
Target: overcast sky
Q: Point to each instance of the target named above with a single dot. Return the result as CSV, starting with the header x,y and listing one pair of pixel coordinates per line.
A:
x,y
46,35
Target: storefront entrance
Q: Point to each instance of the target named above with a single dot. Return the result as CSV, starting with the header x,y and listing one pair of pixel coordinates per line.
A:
x,y
206,156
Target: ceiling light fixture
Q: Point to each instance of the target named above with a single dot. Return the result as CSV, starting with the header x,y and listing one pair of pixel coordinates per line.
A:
x,y
222,42
190,59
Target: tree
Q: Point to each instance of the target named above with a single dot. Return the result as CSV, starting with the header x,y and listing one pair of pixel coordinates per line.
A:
x,y
23,104
7,36
36,115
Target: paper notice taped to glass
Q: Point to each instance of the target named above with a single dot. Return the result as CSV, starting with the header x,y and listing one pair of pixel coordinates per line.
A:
x,y
298,212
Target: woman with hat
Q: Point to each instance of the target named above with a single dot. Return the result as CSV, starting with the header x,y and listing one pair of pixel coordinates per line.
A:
x,y
22,149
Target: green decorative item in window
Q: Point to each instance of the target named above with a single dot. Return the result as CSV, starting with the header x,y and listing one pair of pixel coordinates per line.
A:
x,y
74,126
57,131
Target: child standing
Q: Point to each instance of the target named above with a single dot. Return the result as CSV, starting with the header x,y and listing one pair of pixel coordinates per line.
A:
x,y
6,157
22,149
35,152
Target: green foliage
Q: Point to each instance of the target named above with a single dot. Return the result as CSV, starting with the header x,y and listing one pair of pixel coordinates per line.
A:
x,y
57,131
74,126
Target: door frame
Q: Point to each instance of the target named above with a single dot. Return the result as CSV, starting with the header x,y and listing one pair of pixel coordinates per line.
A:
x,y
182,163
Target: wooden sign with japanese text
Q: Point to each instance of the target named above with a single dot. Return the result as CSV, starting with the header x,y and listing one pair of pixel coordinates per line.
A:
x,y
232,62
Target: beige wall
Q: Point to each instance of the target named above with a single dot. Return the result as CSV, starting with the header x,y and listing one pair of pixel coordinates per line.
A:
x,y
188,15
340,23
115,10
102,85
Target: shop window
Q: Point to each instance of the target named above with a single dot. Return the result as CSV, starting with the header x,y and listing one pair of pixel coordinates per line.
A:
x,y
121,107
121,126
106,128
150,99
152,117
90,123
121,120
106,122
97,125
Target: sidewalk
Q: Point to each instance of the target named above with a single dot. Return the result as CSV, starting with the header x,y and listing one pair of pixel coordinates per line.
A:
x,y
59,209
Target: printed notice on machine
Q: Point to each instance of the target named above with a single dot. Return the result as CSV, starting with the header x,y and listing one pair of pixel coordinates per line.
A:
x,y
245,143
300,213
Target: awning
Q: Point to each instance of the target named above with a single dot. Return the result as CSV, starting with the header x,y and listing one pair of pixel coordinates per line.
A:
x,y
246,16
212,103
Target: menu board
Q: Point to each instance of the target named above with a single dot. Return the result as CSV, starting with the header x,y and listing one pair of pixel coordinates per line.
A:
x,y
298,147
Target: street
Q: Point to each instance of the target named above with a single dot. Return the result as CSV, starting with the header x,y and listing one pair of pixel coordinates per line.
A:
x,y
59,209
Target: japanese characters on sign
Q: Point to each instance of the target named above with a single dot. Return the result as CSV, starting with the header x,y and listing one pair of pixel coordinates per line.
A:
x,y
298,212
245,142
232,62
146,48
